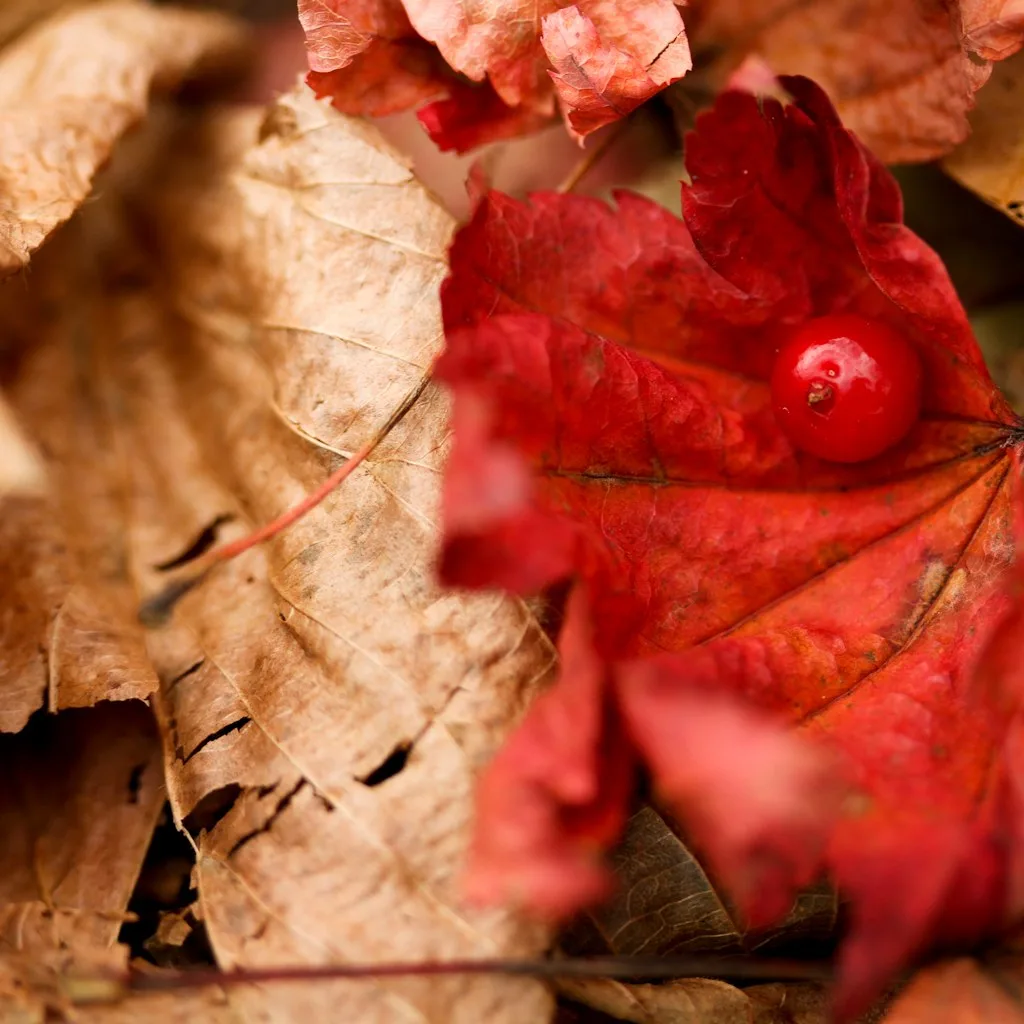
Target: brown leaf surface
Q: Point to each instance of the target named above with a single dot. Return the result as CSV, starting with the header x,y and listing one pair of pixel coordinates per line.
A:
x,y
897,71
349,697
666,903
80,798
68,89
71,86
991,162
196,355
701,1001
79,983
21,471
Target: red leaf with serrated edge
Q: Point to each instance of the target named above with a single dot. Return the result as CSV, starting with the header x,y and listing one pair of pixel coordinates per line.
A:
x,y
366,57
613,426
599,58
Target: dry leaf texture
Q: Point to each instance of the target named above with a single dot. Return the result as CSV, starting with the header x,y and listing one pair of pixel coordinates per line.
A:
x,y
327,700
900,74
80,798
70,87
991,161
601,59
328,696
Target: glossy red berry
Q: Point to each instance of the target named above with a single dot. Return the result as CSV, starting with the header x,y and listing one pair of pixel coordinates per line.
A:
x,y
846,388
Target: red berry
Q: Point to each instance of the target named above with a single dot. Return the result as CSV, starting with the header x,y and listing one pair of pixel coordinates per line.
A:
x,y
846,388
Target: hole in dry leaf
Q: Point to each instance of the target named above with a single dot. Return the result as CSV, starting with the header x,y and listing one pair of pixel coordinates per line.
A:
x,y
190,671
212,809
164,887
389,767
225,730
202,543
282,806
135,783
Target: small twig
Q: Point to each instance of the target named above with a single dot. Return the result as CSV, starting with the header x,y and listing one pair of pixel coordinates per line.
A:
x,y
155,610
592,156
622,968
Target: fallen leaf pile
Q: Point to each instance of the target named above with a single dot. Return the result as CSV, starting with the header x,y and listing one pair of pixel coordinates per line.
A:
x,y
323,705
585,657
904,75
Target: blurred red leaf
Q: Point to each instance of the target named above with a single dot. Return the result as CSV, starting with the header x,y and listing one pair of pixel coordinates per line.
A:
x,y
612,426
365,55
903,75
600,58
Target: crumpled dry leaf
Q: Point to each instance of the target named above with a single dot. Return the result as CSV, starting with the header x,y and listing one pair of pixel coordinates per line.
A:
x,y
991,162
21,471
899,73
994,29
71,86
327,698
666,904
349,697
81,794
701,1001
69,635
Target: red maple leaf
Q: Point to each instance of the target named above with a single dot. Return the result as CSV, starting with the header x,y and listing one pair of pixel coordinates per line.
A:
x,y
740,612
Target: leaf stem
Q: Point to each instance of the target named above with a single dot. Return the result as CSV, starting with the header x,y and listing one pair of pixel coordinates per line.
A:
x,y
641,968
156,609
592,156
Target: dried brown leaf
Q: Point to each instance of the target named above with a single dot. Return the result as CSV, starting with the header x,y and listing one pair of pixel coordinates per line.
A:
x,y
666,904
991,162
71,86
349,697
82,984
68,89
702,1001
195,354
691,1001
80,798
898,72
21,471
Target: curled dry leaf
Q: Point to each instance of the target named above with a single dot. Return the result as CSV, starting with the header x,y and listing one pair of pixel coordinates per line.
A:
x,y
902,75
666,904
994,29
701,1001
600,59
325,707
991,162
69,636
81,794
71,86
613,426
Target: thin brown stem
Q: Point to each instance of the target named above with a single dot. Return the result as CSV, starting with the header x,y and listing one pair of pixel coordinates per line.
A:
x,y
155,610
592,156
623,968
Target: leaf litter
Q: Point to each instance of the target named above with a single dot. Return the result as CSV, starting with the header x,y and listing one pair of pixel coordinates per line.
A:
x,y
193,304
